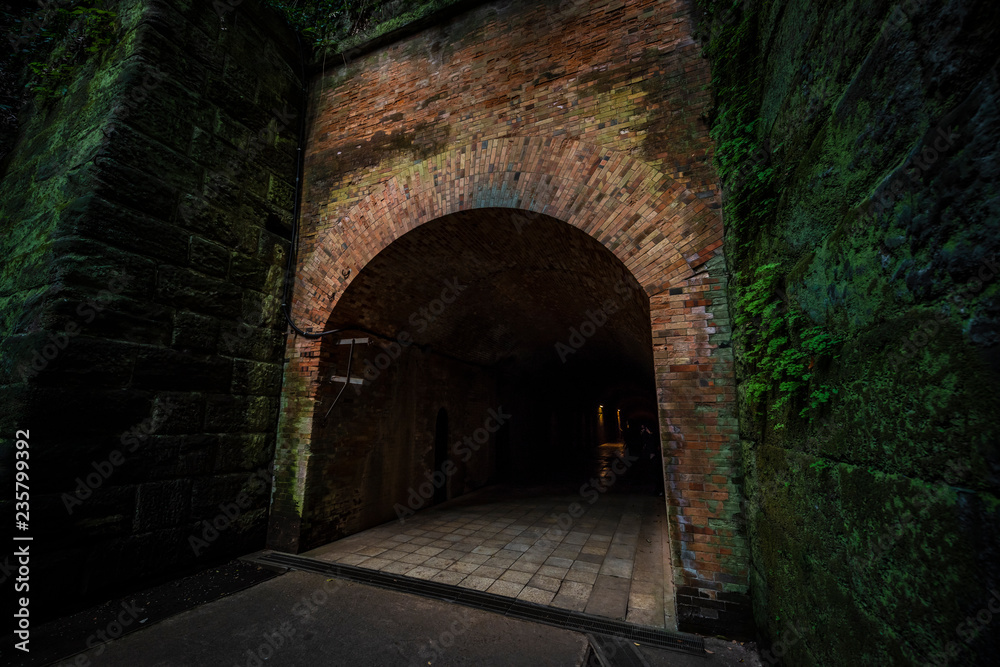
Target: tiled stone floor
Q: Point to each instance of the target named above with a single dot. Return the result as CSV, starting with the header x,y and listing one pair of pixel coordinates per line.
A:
x,y
609,561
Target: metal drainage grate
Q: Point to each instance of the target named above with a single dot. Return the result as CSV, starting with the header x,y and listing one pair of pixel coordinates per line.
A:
x,y
510,607
614,652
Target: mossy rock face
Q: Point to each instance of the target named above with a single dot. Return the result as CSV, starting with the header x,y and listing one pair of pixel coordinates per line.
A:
x,y
872,516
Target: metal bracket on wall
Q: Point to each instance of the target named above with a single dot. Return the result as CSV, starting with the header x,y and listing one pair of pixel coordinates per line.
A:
x,y
342,378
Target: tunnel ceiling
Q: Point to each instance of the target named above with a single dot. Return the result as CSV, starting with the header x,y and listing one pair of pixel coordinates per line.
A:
x,y
525,282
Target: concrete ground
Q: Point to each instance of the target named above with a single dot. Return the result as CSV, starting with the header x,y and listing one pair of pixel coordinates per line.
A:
x,y
609,557
303,620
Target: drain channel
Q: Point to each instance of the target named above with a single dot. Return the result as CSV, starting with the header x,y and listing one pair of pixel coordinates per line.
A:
x,y
510,607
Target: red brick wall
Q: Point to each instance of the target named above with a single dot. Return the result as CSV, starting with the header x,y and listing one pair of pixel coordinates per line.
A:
x,y
589,112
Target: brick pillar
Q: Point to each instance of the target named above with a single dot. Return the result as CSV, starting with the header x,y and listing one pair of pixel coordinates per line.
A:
x,y
699,436
291,457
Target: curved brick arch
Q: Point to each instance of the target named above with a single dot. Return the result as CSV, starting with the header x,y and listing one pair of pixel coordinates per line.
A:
x,y
671,242
659,230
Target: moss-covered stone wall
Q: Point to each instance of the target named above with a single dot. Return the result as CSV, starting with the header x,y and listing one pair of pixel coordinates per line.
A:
x,y
858,146
145,217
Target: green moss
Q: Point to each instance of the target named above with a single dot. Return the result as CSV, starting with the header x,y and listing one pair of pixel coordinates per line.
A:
x,y
867,514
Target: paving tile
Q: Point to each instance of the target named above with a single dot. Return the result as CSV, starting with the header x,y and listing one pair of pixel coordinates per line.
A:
x,y
536,557
423,572
414,558
477,583
488,571
516,577
406,548
536,595
617,567
488,551
575,537
453,554
429,551
463,567
581,576
376,563
573,596
421,541
553,571
525,566
439,563
352,559
397,567
478,559
546,583
506,588
521,547
599,549
449,577
569,553
609,597
495,561
559,562
647,617
590,558
512,554
641,600
621,551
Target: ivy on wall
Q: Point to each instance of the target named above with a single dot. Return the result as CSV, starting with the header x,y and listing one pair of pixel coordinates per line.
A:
x,y
335,26
778,350
45,46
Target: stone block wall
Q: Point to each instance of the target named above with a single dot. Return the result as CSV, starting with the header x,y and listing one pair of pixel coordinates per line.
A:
x,y
872,492
146,218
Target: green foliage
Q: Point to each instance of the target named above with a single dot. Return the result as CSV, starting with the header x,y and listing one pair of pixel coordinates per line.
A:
x,y
742,158
67,38
325,22
777,349
334,26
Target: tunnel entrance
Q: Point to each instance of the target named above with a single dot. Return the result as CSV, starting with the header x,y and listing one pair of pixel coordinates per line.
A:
x,y
529,362
509,357
503,348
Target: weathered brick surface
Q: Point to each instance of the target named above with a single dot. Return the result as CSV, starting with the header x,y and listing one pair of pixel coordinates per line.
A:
x,y
588,112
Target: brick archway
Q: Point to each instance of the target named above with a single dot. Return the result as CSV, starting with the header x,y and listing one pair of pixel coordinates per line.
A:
x,y
670,241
